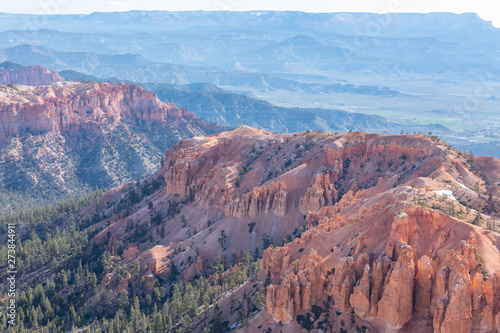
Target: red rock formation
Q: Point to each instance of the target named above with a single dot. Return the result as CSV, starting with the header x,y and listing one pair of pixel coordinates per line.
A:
x,y
30,76
130,252
321,193
392,292
380,268
398,236
395,306
302,286
69,106
423,285
199,266
178,178
270,198
381,252
360,298
456,300
360,265
491,295
275,260
279,303
342,283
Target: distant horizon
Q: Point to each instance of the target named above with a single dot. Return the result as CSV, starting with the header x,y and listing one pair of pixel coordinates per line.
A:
x,y
487,10
243,11
249,11
238,11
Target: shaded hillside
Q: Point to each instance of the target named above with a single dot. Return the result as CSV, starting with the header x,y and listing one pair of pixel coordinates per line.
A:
x,y
9,65
70,75
217,105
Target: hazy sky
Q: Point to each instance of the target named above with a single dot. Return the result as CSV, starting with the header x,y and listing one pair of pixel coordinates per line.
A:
x,y
487,9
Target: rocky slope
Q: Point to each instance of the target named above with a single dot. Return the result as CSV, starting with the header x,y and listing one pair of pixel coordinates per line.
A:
x,y
377,228
67,137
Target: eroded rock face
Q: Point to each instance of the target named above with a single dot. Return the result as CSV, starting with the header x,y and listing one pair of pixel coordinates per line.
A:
x,y
275,260
423,285
380,268
396,305
360,298
269,198
342,283
265,199
179,177
321,193
396,285
302,286
458,311
490,315
30,76
69,106
398,236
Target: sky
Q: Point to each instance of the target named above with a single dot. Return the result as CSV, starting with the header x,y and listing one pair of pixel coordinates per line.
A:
x,y
487,9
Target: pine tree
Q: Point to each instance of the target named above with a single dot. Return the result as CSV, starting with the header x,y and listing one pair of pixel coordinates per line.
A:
x,y
123,302
218,265
222,239
256,254
157,323
477,219
268,278
93,280
64,279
